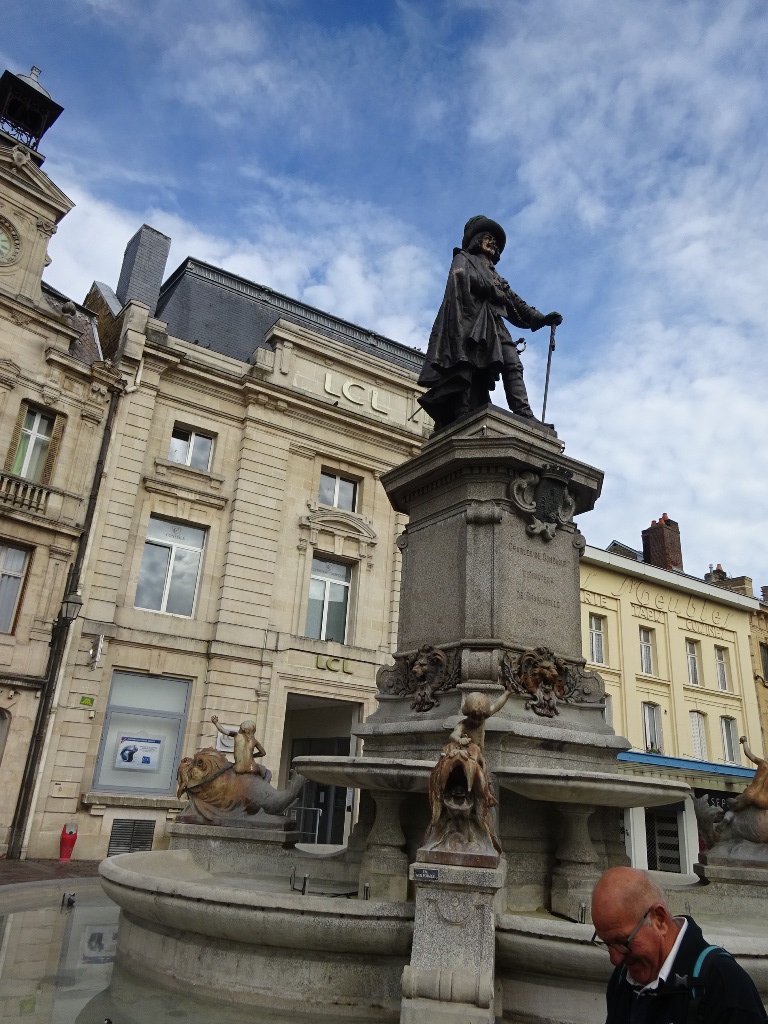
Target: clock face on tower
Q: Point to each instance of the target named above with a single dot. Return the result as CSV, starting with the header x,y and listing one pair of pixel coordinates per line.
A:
x,y
10,243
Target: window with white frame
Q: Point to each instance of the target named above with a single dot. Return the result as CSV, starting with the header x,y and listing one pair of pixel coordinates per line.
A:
x,y
143,732
190,448
13,570
33,445
338,491
596,639
170,567
698,735
646,651
328,607
654,740
730,740
721,667
692,657
764,660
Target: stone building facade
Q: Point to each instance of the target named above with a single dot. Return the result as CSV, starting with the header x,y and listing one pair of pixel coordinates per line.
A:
x,y
675,654
244,560
55,391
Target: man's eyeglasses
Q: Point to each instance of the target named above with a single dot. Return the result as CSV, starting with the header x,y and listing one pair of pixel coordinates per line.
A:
x,y
624,948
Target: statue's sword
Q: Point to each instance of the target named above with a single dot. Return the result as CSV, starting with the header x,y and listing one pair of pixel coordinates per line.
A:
x,y
549,367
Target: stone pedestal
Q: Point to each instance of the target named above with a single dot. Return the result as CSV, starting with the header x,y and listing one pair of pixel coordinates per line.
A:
x,y
576,871
216,848
451,974
491,552
384,865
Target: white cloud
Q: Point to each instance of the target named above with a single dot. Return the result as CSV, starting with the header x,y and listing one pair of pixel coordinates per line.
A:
x,y
633,131
350,260
621,146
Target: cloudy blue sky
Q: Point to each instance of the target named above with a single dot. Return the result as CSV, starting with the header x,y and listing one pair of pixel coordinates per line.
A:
x,y
333,149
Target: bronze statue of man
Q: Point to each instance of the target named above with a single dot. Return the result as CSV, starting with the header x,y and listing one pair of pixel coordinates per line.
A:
x,y
470,346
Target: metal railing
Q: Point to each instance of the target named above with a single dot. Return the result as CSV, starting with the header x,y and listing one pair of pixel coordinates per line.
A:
x,y
24,494
308,822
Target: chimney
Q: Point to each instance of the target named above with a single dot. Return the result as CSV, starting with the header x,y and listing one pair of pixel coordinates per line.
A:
x,y
764,592
661,544
736,584
143,267
718,577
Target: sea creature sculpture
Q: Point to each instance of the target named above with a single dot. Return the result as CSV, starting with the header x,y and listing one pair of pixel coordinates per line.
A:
x,y
218,795
460,830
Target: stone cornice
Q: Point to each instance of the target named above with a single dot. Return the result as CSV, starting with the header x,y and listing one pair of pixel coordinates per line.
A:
x,y
669,578
33,183
172,489
356,360
44,319
102,372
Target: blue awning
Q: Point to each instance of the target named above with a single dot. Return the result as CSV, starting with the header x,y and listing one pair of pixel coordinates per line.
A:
x,y
686,764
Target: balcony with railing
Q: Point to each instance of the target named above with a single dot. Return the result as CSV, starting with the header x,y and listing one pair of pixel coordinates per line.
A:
x,y
18,494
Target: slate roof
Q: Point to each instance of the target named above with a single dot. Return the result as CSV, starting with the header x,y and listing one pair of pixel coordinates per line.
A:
x,y
229,314
86,348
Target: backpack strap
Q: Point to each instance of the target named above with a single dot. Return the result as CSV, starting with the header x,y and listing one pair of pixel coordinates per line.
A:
x,y
700,974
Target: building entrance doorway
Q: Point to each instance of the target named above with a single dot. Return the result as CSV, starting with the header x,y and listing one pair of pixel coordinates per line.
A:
x,y
320,727
323,809
662,835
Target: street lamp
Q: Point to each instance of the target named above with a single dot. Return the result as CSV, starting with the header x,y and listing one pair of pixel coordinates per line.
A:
x,y
70,608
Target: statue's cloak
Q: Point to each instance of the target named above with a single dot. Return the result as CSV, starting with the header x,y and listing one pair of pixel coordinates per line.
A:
x,y
465,344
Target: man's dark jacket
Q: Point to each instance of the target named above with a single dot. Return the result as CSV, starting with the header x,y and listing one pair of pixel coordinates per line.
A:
x,y
730,996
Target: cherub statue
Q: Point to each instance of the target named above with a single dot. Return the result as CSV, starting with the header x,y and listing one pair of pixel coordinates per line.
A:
x,y
247,747
459,791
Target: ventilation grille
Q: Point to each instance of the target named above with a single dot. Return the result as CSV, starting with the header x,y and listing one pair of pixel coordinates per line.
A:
x,y
663,841
131,835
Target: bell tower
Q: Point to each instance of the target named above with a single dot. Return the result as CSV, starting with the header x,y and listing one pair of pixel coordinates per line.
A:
x,y
31,205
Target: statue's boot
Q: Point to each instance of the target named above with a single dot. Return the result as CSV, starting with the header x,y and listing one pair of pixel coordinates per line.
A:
x,y
514,389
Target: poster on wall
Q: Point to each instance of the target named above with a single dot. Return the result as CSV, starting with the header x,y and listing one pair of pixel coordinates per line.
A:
x,y
138,753
98,944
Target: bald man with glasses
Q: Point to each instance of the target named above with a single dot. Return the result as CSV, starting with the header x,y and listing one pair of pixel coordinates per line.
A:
x,y
655,956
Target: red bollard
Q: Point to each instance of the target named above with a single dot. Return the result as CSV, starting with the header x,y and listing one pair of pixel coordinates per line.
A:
x,y
68,840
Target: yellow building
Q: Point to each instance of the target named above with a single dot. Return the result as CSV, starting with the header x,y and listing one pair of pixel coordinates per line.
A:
x,y
758,635
674,652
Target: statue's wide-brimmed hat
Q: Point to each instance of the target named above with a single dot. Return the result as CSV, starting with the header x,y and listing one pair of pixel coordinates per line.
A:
x,y
476,225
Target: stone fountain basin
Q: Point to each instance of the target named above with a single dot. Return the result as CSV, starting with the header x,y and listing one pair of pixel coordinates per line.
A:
x,y
377,773
597,789
166,888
